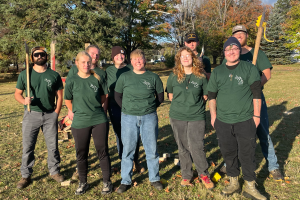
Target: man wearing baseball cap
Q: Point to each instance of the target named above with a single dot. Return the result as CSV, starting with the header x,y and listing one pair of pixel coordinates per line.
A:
x,y
192,41
45,87
234,96
264,67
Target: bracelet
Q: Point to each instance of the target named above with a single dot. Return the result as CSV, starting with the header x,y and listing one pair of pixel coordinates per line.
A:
x,y
256,116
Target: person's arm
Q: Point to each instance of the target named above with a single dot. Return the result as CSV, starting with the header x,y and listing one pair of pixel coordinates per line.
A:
x,y
159,98
19,97
103,100
213,111
256,92
105,104
170,96
205,97
207,75
265,76
69,106
59,100
118,98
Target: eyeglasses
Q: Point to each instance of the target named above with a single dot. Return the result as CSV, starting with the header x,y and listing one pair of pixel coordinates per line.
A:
x,y
186,56
42,54
233,49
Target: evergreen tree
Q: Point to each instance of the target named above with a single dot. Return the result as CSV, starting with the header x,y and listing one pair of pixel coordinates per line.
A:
x,y
276,51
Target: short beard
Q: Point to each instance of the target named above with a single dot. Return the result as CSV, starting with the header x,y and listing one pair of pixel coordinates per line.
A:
x,y
40,61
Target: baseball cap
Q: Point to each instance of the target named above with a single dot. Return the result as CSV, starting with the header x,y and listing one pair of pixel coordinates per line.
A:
x,y
35,49
116,50
191,37
239,28
232,41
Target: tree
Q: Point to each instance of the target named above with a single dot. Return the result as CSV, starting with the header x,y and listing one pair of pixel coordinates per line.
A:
x,y
276,51
70,23
292,27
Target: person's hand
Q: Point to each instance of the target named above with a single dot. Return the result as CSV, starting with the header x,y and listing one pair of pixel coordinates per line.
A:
x,y
256,121
27,100
205,97
57,112
70,114
212,121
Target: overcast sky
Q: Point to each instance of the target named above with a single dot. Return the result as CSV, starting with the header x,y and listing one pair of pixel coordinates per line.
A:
x,y
269,1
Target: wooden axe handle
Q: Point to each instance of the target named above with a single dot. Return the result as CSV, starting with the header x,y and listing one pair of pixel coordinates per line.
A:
x,y
27,74
257,44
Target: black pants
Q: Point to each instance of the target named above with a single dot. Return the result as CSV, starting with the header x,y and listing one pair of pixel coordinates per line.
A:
x,y
238,141
82,139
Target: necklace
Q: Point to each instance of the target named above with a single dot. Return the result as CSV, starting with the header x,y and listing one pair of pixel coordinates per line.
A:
x,y
187,81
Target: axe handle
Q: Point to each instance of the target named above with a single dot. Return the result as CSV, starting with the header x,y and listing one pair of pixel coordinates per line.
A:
x,y
257,44
27,75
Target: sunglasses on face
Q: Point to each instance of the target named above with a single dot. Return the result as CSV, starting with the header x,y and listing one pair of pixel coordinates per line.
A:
x,y
42,54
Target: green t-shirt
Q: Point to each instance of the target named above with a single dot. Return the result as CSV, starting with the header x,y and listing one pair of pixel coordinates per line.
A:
x,y
234,97
206,63
262,62
112,75
85,94
187,103
43,87
100,72
139,92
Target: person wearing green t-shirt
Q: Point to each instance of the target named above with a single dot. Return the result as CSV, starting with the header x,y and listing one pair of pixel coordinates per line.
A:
x,y
186,88
84,96
192,41
139,92
113,73
45,87
264,67
234,96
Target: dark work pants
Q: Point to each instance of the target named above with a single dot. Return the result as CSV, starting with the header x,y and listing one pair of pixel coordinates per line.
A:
x,y
115,118
238,141
82,139
189,137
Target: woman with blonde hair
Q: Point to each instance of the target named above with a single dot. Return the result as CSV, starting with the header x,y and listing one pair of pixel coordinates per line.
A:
x,y
84,96
186,88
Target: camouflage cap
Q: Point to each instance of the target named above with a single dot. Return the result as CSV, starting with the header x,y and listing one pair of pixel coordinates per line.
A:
x,y
239,28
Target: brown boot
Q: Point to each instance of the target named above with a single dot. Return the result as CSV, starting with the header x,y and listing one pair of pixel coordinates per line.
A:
x,y
138,168
234,186
23,183
251,192
58,177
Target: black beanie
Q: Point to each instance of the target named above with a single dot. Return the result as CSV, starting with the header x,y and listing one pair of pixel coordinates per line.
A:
x,y
232,41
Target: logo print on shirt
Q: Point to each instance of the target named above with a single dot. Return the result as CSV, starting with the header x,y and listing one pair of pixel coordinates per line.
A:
x,y
239,79
94,87
49,82
148,84
230,76
196,85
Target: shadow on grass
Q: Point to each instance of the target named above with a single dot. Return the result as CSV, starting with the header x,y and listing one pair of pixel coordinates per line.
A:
x,y
6,93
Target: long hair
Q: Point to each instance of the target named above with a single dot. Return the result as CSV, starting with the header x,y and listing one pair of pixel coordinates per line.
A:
x,y
84,53
197,68
94,46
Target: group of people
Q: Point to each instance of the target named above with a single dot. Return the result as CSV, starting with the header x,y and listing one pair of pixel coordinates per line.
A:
x,y
131,95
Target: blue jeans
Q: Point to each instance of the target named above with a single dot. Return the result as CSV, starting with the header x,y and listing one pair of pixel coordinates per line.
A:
x,y
114,111
147,127
262,132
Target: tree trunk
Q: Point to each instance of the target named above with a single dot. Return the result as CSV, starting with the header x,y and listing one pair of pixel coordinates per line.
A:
x,y
215,59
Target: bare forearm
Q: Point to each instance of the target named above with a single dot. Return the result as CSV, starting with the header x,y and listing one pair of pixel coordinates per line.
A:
x,y
59,100
170,96
256,106
69,104
213,108
20,98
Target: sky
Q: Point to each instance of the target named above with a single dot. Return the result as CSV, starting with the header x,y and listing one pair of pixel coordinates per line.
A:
x,y
269,2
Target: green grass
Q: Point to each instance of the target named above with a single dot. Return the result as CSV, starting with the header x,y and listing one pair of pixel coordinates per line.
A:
x,y
282,94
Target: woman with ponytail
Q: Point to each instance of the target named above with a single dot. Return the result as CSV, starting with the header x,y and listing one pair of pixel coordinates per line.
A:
x,y
186,88
84,96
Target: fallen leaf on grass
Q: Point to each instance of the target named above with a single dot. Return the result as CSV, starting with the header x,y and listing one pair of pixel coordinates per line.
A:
x,y
226,182
167,190
151,193
212,164
135,184
288,181
178,175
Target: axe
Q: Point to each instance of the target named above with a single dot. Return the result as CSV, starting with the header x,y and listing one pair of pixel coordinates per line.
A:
x,y
258,37
202,51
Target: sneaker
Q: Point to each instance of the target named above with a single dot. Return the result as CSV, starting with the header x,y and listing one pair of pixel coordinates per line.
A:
x,y
207,182
122,188
186,182
107,187
276,175
75,175
82,188
223,169
58,177
23,183
157,185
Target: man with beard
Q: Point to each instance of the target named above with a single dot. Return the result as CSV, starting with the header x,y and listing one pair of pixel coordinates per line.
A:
x,y
264,67
45,86
192,41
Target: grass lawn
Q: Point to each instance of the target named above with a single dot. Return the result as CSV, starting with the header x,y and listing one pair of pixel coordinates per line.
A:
x,y
283,99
